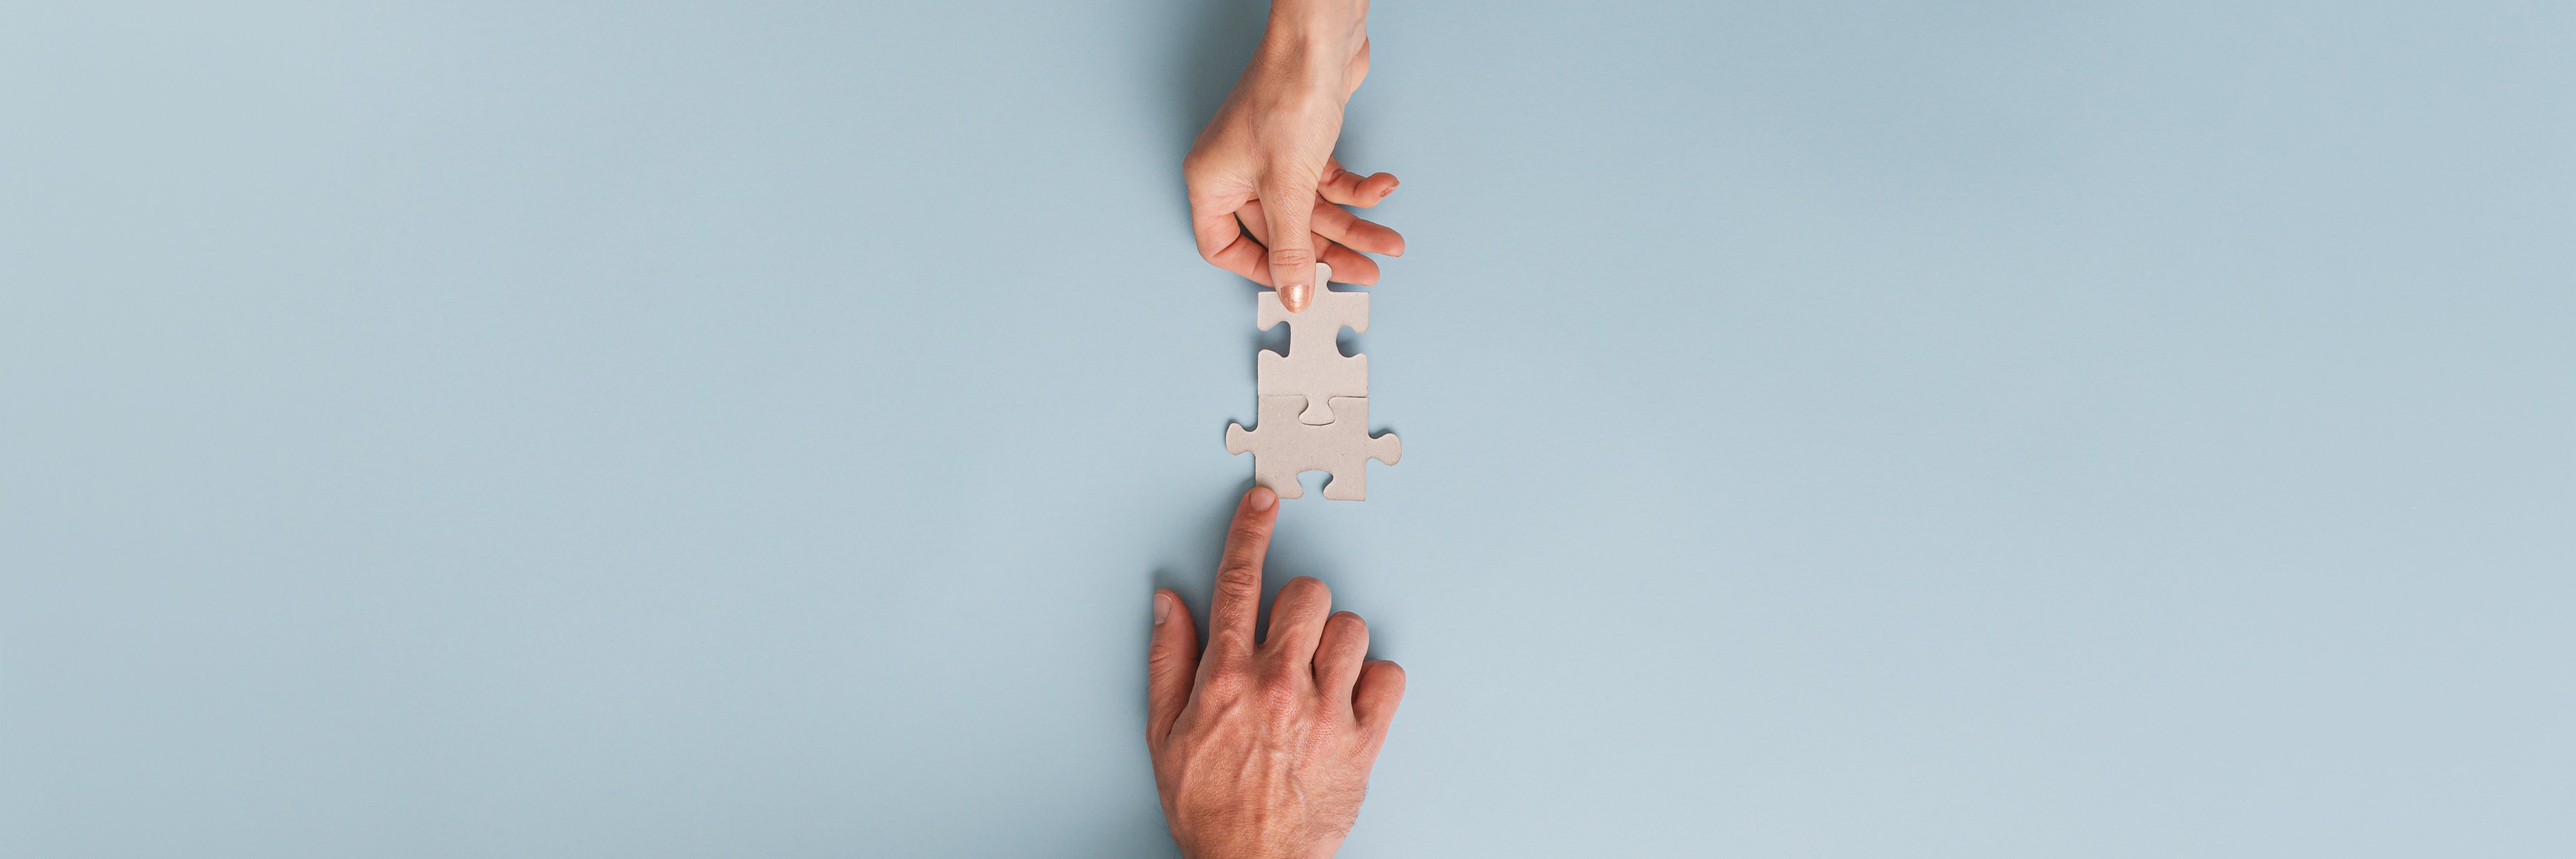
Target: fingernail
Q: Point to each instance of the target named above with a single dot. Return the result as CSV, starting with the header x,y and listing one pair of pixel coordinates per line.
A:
x,y
1261,498
1294,296
1162,609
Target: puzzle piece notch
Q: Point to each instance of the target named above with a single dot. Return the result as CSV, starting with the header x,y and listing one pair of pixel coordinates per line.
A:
x,y
1315,382
1314,367
1282,447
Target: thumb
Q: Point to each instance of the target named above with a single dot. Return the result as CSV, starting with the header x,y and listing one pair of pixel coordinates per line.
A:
x,y
1171,666
1292,247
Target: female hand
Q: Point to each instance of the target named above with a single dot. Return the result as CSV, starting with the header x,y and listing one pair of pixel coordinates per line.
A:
x,y
1265,190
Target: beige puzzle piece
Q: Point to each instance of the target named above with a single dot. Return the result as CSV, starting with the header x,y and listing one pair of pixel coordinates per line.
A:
x,y
1283,447
1314,367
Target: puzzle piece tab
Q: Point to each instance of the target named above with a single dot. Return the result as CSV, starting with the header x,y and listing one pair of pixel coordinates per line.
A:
x,y
1282,447
1314,367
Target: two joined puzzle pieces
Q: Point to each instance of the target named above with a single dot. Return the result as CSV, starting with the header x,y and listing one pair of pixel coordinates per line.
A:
x,y
1314,400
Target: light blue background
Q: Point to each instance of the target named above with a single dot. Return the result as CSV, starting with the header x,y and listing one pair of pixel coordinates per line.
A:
x,y
753,429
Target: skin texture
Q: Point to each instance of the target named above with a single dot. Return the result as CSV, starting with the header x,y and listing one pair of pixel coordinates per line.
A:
x,y
1263,750
1266,193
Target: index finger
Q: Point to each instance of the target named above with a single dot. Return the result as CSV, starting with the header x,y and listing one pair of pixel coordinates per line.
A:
x,y
1223,244
1238,577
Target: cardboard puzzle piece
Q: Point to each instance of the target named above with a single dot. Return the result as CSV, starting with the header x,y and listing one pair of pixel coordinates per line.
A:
x,y
1314,367
1283,447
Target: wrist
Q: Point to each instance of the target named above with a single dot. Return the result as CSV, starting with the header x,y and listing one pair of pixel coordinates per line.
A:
x,y
1299,60
1259,851
1335,16
1318,33
1253,833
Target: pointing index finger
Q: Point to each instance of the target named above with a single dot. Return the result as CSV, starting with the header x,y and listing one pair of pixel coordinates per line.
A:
x,y
1238,578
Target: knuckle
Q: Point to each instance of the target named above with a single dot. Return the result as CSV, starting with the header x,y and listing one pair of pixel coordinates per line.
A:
x,y
1305,588
1349,627
1205,163
1239,578
1390,676
1281,698
1291,256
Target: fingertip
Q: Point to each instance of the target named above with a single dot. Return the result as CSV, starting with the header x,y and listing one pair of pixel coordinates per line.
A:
x,y
1379,689
1260,499
1292,277
1388,672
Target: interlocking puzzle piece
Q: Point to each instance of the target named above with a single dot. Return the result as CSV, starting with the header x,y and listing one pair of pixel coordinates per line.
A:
x,y
1283,447
1314,367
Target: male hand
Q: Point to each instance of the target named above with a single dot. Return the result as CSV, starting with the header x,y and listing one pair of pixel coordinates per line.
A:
x,y
1263,172
1262,751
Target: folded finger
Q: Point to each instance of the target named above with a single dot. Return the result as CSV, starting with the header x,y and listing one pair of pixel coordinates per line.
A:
x,y
1338,656
1349,266
1374,696
1297,617
1357,233
1353,189
1246,257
